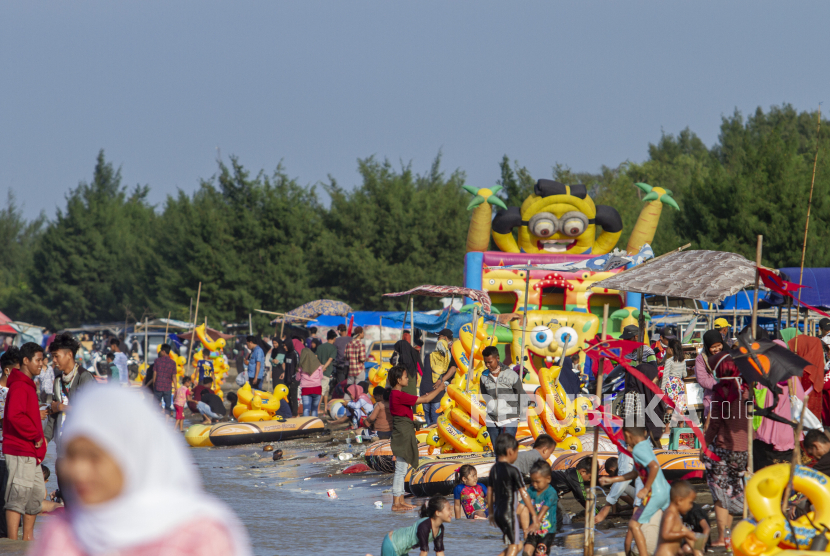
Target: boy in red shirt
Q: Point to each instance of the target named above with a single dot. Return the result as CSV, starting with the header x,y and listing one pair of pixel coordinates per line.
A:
x,y
23,444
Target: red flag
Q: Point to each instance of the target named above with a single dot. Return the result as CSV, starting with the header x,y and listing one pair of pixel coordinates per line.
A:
x,y
781,286
351,324
657,391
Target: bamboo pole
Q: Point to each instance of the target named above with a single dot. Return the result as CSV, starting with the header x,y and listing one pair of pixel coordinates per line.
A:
x,y
806,229
750,467
146,345
405,313
190,311
166,328
250,324
193,336
449,311
285,315
590,507
641,322
524,323
411,321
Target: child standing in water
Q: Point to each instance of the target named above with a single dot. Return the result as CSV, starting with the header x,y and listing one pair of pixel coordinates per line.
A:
x,y
506,489
655,492
429,528
404,443
545,500
183,395
470,495
672,531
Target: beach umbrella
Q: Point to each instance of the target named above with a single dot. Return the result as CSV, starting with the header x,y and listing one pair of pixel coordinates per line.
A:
x,y
443,291
765,362
704,275
314,309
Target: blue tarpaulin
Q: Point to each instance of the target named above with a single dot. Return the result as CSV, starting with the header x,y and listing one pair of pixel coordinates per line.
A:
x,y
816,292
423,321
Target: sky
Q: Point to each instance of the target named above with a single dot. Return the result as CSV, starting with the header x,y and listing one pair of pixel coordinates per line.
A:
x,y
166,87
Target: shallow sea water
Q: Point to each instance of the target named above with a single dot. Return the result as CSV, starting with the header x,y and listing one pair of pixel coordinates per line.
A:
x,y
286,509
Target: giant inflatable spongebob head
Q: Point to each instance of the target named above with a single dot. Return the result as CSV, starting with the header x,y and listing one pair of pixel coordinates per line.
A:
x,y
557,218
548,332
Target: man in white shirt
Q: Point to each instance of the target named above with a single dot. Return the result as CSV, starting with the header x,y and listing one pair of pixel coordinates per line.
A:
x,y
120,361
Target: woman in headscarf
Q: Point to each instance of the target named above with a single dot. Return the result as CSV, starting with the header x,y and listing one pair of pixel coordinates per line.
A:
x,y
810,349
360,405
712,345
409,357
727,437
311,381
133,487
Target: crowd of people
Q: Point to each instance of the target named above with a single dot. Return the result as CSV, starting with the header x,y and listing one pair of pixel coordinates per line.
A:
x,y
40,387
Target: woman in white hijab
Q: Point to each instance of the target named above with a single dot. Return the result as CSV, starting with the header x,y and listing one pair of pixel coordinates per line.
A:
x,y
132,488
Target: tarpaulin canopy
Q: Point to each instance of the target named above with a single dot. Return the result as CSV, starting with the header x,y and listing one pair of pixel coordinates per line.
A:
x,y
445,291
314,309
816,291
704,275
393,319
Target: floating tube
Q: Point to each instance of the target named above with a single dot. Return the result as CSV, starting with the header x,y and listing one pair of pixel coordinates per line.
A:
x,y
198,436
769,530
459,441
676,464
235,434
438,477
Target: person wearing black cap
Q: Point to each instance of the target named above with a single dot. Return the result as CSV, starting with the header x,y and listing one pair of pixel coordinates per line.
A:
x,y
632,332
824,327
438,367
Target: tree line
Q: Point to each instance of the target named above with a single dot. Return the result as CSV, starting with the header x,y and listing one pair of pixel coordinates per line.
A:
x,y
266,241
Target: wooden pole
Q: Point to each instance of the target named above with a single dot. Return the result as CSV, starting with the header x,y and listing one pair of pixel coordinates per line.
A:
x,y
758,249
411,321
167,328
190,311
472,365
195,319
524,324
146,345
405,314
750,467
449,311
590,507
641,323
282,329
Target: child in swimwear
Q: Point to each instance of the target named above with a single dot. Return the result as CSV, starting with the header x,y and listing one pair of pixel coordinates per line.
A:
x,y
430,527
506,489
545,501
672,531
655,492
182,396
470,495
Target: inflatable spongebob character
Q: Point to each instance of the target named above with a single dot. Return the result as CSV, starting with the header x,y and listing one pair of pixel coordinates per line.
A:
x,y
548,332
558,218
561,219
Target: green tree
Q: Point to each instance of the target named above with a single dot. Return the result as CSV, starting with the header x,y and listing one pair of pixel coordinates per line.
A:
x,y
92,261
395,231
247,239
19,239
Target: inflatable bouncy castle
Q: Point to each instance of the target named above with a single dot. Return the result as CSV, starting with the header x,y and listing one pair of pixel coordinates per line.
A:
x,y
552,250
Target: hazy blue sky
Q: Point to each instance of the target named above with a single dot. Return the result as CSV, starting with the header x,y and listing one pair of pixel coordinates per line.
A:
x,y
161,85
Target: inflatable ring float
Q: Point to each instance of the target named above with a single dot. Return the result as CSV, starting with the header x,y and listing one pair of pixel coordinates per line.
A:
x,y
768,529
235,434
676,464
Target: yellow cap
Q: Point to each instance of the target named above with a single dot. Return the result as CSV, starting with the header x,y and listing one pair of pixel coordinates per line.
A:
x,y
721,323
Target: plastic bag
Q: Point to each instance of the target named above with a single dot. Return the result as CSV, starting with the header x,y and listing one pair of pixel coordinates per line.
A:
x,y
810,420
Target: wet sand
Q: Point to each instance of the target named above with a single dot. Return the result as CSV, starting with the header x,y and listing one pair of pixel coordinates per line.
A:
x,y
286,509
